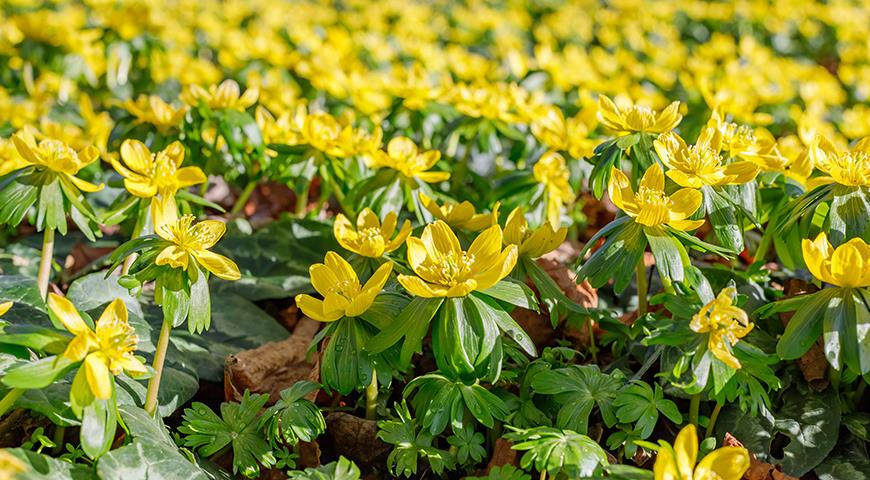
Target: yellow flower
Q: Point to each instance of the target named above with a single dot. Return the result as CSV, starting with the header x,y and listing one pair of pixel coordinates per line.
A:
x,y
330,135
650,206
157,176
678,462
846,266
552,172
851,168
571,135
632,118
58,157
459,215
10,160
343,296
403,156
370,238
10,466
739,141
532,243
701,164
726,324
444,270
107,350
226,95
193,241
4,307
154,110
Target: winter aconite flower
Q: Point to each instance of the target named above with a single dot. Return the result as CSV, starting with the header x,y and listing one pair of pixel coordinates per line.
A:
x,y
343,295
157,176
189,242
155,111
531,242
677,462
370,238
444,270
651,206
459,215
725,323
58,157
631,118
403,156
846,266
552,172
10,466
701,164
106,350
227,95
850,168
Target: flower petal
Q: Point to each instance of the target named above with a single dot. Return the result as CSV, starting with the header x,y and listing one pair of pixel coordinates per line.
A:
x,y
653,178
620,192
115,313
98,375
686,450
189,176
67,314
403,235
208,232
726,463
85,186
313,308
686,202
217,264
174,256
417,287
137,156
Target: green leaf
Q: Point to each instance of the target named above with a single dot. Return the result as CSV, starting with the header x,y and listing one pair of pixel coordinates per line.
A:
x,y
514,293
199,313
237,427
409,446
723,219
558,451
16,198
617,258
805,327
99,421
640,404
38,373
345,365
506,324
468,445
848,215
294,418
342,469
146,459
579,388
412,324
670,255
44,467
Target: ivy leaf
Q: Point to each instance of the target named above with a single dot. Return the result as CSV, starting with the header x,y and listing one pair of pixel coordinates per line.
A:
x,y
237,426
558,451
410,445
640,403
294,418
44,467
468,445
579,388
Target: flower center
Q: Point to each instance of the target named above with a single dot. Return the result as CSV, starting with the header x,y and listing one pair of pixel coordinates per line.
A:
x,y
346,288
851,168
452,269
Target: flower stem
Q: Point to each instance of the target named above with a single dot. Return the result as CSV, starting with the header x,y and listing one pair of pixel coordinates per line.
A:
x,y
57,438
694,405
713,417
137,231
372,398
45,259
159,359
593,348
302,200
243,197
543,475
9,399
640,272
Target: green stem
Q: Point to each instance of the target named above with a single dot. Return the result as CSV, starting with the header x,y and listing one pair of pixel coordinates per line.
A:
x,y
137,231
642,304
694,405
58,437
45,260
713,417
764,244
243,197
543,475
593,348
668,285
9,399
159,359
302,200
372,398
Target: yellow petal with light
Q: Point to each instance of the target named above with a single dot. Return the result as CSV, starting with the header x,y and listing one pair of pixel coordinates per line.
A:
x,y
417,287
174,256
4,307
653,179
400,238
620,192
164,211
219,265
726,463
208,232
665,467
98,375
115,312
136,156
85,186
313,308
67,314
189,176
686,202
